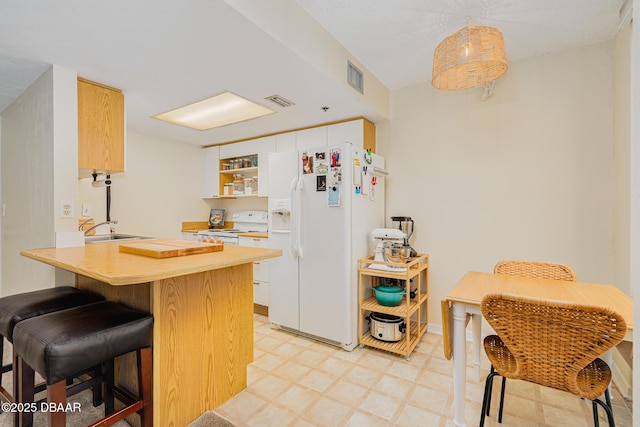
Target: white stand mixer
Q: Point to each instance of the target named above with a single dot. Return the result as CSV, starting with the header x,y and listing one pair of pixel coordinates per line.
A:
x,y
386,237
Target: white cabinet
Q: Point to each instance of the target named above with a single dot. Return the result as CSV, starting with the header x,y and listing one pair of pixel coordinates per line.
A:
x,y
265,146
285,142
360,132
313,137
211,176
346,131
260,271
238,149
254,149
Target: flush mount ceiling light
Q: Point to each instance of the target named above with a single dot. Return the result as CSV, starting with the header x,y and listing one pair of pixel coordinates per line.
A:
x,y
220,110
470,57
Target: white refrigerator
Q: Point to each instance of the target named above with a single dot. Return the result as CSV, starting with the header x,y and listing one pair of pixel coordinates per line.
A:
x,y
323,204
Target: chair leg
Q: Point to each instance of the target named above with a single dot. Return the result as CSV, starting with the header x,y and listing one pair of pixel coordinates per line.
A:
x,y
24,378
607,396
486,400
490,391
608,409
108,378
504,385
145,385
57,395
4,393
97,390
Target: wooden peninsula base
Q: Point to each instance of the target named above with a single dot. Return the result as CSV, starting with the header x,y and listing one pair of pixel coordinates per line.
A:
x,y
203,320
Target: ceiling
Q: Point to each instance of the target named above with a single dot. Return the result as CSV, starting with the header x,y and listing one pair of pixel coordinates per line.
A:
x,y
165,54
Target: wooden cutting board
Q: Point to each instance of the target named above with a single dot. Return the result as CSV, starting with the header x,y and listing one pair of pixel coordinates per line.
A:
x,y
168,248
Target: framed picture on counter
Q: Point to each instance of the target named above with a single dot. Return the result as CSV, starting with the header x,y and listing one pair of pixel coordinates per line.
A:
x,y
216,218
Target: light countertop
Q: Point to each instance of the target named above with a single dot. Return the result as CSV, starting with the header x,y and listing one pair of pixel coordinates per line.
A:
x,y
104,261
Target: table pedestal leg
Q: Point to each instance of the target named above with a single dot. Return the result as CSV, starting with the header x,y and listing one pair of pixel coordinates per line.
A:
x,y
459,362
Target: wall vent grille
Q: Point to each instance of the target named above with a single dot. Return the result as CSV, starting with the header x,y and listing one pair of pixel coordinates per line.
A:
x,y
282,102
355,79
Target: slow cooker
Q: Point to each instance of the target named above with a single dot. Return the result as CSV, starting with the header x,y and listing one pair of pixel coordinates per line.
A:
x,y
386,327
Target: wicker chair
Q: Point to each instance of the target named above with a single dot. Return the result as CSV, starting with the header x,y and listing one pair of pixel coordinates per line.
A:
x,y
553,344
543,270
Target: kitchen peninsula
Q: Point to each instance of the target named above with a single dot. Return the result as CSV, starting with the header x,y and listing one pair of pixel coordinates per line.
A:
x,y
203,317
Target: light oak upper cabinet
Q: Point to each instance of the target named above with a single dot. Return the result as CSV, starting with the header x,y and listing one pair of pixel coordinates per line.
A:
x,y
100,129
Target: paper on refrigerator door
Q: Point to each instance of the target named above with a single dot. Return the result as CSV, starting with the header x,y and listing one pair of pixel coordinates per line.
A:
x,y
334,195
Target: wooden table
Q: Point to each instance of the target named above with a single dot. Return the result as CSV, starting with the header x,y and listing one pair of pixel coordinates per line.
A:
x,y
464,301
203,318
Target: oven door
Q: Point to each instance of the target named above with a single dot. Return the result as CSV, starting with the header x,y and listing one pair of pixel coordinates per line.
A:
x,y
228,240
225,237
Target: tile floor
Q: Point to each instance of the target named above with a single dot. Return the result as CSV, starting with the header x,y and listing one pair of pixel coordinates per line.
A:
x,y
295,381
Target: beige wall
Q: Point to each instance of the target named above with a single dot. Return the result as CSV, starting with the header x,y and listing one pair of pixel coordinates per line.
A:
x,y
622,153
527,174
159,190
39,164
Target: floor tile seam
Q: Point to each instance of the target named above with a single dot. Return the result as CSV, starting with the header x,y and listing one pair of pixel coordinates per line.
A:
x,y
271,397
408,393
271,354
355,406
342,422
248,416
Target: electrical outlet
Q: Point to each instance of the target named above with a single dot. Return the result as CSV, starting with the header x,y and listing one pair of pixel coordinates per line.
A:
x,y
66,209
86,209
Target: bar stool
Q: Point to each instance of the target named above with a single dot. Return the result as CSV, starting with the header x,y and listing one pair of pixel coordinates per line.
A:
x,y
16,308
61,344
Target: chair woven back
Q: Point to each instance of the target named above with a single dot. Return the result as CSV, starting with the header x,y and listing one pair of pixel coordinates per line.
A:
x,y
542,270
551,342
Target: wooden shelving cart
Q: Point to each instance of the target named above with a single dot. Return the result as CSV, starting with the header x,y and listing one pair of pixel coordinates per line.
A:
x,y
413,310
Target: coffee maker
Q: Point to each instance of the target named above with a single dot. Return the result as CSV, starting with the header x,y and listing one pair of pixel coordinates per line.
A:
x,y
405,224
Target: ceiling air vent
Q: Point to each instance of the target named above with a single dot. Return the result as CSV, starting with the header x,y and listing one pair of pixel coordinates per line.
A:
x,y
355,77
277,99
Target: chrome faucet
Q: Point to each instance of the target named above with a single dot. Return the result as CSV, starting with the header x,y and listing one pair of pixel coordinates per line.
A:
x,y
97,225
83,223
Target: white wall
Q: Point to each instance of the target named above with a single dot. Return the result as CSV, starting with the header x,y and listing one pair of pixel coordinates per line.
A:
x,y
622,153
39,130
159,190
634,160
527,174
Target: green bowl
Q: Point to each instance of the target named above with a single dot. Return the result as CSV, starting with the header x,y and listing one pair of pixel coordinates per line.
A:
x,y
389,297
385,288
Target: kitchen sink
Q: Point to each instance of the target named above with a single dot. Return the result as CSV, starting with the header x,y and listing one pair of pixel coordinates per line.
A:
x,y
102,238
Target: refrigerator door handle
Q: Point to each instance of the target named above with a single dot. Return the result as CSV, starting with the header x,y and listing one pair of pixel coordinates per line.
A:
x,y
293,241
299,216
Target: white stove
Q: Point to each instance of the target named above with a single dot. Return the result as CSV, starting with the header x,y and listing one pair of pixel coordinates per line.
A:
x,y
243,222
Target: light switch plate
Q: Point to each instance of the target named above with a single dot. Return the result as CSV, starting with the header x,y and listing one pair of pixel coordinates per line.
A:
x,y
86,209
66,209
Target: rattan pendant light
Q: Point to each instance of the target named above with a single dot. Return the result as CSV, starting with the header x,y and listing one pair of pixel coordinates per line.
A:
x,y
470,57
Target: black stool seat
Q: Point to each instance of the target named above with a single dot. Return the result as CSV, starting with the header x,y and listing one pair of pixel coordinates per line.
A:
x,y
60,344
19,307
